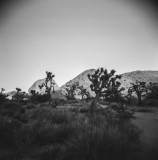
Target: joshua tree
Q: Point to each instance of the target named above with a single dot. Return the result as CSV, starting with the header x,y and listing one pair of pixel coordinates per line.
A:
x,y
129,96
2,89
114,90
104,84
70,89
2,96
49,78
19,95
16,96
87,96
139,88
152,90
83,92
34,93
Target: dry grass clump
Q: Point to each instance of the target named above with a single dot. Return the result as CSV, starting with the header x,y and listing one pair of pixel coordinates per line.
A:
x,y
50,133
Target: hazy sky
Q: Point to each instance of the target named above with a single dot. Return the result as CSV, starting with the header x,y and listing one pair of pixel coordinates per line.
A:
x,y
67,37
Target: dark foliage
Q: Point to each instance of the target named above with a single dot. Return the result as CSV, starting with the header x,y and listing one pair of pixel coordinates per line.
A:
x,y
152,91
42,98
139,88
34,94
2,96
105,84
70,90
84,93
19,96
55,134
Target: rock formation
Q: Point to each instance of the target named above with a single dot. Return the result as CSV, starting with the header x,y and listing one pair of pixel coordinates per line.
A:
x,y
127,78
57,95
83,80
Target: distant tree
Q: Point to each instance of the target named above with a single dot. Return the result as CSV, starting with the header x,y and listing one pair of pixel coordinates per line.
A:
x,y
83,92
19,95
2,96
48,90
88,96
2,89
140,89
152,90
129,96
104,84
114,89
71,90
34,94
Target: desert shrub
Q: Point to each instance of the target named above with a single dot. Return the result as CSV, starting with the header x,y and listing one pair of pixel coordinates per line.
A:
x,y
25,102
133,101
54,116
43,133
22,110
73,109
11,105
103,102
123,111
10,108
34,133
8,130
142,109
62,102
152,91
150,102
108,141
30,106
63,132
42,98
110,116
54,152
3,98
23,118
84,110
41,114
72,101
113,105
68,135
60,117
55,104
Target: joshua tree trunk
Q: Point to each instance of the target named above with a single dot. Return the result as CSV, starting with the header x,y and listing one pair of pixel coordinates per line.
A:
x,y
93,104
82,97
49,97
139,99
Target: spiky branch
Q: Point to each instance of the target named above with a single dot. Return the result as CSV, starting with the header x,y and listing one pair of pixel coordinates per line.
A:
x,y
71,89
34,93
152,90
19,95
129,96
83,92
139,88
104,84
2,89
2,96
48,90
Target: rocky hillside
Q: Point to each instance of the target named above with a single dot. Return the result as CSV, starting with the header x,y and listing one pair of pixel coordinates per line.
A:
x,y
83,80
127,78
144,76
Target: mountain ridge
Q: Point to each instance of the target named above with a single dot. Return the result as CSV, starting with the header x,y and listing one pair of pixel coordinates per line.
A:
x,y
127,78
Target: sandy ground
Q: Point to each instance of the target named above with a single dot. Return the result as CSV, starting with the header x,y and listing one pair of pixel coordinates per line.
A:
x,y
148,122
